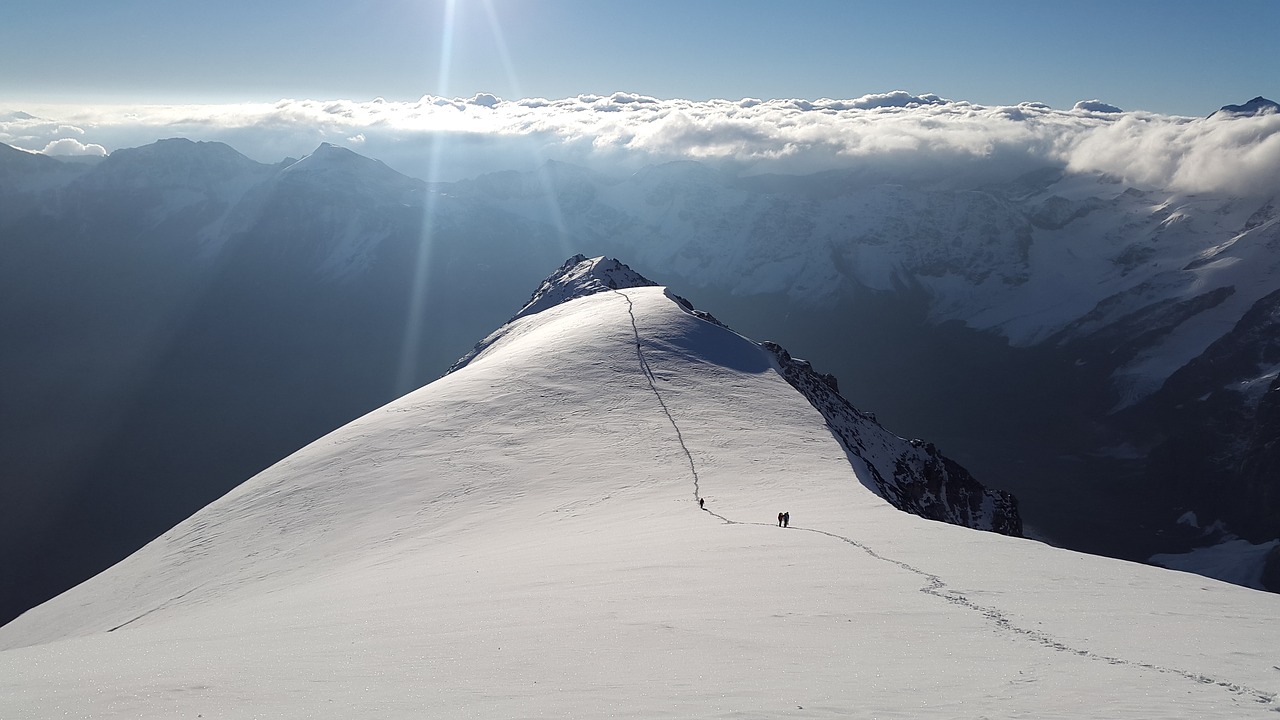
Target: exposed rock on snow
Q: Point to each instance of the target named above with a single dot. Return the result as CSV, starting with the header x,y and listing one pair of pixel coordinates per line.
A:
x,y
580,277
913,475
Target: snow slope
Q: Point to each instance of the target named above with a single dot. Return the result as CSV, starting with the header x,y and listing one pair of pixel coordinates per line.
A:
x,y
521,538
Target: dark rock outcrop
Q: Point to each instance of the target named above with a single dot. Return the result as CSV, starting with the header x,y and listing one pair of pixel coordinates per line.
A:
x,y
912,475
1260,471
1271,571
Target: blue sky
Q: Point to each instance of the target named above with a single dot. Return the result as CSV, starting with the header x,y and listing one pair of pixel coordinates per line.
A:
x,y
1174,57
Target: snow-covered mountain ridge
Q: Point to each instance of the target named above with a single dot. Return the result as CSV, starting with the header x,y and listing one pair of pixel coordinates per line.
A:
x,y
1112,290
580,277
1099,349
911,475
523,537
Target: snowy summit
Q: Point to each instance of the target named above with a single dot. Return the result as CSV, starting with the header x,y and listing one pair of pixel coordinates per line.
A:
x,y
579,521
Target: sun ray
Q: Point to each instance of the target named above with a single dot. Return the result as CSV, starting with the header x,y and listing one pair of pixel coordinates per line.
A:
x,y
549,195
417,310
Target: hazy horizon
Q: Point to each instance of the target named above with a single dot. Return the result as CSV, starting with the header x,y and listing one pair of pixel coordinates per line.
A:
x,y
1169,57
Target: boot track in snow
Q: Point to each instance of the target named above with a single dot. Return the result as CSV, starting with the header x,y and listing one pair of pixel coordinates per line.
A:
x,y
935,586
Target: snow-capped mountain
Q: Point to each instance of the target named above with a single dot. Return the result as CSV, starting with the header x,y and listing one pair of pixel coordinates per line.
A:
x,y
181,317
1257,106
524,537
911,475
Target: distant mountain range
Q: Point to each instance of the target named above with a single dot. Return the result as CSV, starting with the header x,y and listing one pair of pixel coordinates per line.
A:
x,y
177,317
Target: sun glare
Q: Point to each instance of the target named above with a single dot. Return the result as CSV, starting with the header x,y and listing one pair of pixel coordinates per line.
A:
x,y
406,377
417,310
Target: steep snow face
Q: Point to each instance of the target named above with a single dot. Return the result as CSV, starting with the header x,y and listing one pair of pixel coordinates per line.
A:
x,y
522,537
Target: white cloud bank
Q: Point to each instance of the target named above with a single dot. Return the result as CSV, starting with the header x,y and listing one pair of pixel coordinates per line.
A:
x,y
71,146
885,135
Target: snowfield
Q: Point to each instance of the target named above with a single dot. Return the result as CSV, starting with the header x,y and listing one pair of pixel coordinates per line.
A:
x,y
522,538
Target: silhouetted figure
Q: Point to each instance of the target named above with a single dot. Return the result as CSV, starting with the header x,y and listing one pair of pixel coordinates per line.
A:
x,y
702,503
786,519
780,519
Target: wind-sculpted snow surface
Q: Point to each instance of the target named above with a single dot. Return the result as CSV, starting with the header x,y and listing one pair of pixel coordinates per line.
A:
x,y
912,475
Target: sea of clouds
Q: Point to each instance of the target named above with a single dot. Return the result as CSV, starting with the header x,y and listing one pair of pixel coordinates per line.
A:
x,y
887,136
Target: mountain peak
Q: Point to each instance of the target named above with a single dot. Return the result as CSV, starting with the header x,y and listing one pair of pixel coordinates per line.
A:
x,y
330,163
177,147
328,149
173,162
1256,106
581,276
329,155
